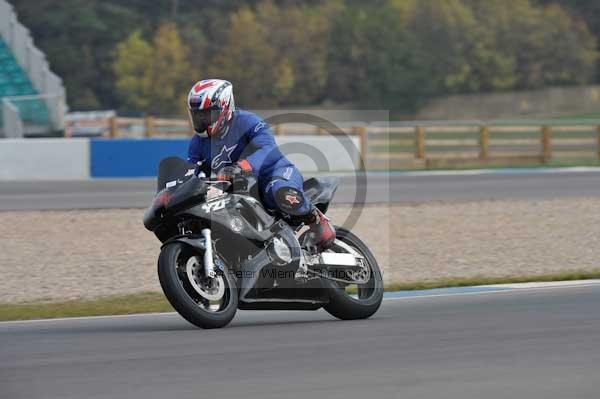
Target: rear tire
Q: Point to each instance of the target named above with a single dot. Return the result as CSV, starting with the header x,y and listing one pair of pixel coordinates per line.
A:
x,y
181,298
344,306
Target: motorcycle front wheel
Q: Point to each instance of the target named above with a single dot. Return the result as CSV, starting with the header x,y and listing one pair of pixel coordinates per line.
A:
x,y
359,301
204,302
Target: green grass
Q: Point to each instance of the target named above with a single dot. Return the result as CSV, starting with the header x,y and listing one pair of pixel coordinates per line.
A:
x,y
466,165
149,302
152,302
581,116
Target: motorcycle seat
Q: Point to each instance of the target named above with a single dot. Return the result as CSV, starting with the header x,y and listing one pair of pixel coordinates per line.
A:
x,y
320,191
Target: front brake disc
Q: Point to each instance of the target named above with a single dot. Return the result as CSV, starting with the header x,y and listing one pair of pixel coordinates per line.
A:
x,y
208,288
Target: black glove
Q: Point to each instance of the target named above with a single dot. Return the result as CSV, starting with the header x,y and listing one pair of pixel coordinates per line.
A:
x,y
201,167
231,172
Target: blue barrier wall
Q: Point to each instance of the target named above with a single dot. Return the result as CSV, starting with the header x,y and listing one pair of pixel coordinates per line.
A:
x,y
80,159
132,157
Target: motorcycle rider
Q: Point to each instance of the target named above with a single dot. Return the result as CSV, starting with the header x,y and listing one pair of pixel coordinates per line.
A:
x,y
232,142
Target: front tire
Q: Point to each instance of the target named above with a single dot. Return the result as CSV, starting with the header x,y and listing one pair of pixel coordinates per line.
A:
x,y
182,295
368,298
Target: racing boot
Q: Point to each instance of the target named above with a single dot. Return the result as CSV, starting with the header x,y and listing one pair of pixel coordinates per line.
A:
x,y
321,233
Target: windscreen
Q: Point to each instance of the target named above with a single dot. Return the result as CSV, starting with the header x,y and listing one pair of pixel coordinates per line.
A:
x,y
173,171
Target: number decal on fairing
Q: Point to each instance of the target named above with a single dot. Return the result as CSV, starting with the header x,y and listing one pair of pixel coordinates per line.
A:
x,y
215,205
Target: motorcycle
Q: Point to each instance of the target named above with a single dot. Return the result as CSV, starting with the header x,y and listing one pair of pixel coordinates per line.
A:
x,y
222,251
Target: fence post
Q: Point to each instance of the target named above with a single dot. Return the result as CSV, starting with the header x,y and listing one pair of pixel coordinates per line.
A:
x,y
364,144
113,127
420,142
361,132
484,142
546,143
598,130
69,130
149,126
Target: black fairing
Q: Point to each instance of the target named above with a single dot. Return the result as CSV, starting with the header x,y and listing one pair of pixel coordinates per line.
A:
x,y
243,232
184,191
173,169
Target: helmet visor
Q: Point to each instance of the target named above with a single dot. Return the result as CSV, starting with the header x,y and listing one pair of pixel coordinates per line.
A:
x,y
203,118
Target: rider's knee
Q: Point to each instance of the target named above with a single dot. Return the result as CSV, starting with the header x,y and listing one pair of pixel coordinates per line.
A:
x,y
291,201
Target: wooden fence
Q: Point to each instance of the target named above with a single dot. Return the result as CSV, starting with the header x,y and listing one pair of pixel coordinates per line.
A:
x,y
439,146
416,146
148,127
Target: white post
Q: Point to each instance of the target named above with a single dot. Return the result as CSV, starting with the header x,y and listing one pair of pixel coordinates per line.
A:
x,y
13,126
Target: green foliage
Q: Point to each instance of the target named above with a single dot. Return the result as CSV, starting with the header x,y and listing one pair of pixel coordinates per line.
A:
x,y
153,77
382,53
585,10
169,72
131,71
545,46
246,57
376,61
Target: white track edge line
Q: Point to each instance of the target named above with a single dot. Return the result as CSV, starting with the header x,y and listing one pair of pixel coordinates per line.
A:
x,y
495,291
498,291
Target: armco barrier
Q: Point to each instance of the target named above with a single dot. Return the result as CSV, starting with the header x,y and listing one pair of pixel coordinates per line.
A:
x,y
44,159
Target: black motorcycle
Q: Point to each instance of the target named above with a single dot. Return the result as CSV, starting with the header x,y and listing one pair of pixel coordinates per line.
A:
x,y
223,251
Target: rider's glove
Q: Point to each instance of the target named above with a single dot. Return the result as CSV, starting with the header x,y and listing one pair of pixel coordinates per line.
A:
x,y
231,172
200,170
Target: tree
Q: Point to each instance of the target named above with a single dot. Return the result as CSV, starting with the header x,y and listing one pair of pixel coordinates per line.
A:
x,y
393,53
569,54
132,72
247,60
375,61
300,36
170,73
585,10
78,37
153,78
547,46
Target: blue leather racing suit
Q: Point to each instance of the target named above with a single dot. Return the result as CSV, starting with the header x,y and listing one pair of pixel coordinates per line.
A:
x,y
249,138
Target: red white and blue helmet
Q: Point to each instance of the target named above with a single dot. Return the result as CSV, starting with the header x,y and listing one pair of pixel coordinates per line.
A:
x,y
211,106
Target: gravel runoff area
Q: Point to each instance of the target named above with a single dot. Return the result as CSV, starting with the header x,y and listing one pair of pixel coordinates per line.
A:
x,y
58,255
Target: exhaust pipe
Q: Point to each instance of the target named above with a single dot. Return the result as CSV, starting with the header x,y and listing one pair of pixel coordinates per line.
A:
x,y
339,260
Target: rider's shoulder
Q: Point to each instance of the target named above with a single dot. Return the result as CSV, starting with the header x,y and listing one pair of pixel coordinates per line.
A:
x,y
247,119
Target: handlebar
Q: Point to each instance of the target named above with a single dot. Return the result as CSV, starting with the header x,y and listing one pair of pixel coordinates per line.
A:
x,y
215,182
241,184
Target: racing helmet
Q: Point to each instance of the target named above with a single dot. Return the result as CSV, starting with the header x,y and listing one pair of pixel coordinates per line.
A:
x,y
211,106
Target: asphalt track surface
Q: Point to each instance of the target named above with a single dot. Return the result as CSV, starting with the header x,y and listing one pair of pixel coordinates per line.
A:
x,y
397,188
530,344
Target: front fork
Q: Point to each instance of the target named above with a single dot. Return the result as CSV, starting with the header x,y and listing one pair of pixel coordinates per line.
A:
x,y
209,263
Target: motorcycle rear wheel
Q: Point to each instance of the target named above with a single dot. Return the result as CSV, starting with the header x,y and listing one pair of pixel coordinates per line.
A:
x,y
366,301
191,305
